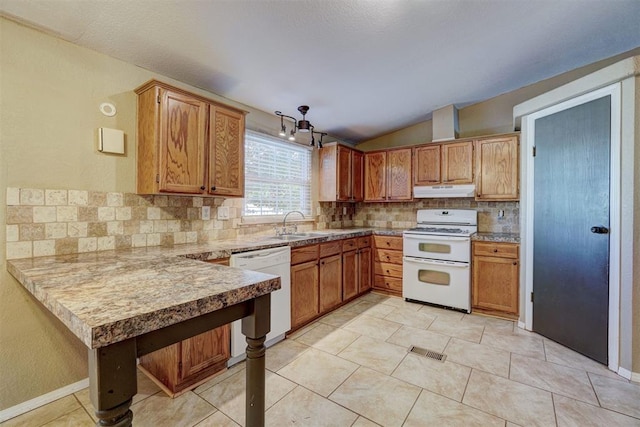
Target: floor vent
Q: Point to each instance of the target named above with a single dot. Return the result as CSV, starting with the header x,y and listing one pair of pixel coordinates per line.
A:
x,y
428,353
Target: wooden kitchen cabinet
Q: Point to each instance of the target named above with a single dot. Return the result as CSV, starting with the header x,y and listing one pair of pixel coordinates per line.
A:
x,y
495,284
341,170
305,293
356,267
446,163
226,153
387,175
188,144
497,168
330,282
185,365
387,264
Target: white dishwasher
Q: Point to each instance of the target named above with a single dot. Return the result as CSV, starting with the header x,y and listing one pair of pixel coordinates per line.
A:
x,y
276,261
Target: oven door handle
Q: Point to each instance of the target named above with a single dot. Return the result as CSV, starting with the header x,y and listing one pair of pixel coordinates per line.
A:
x,y
432,237
453,264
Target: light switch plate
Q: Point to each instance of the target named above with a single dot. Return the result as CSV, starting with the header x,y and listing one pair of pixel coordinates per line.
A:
x,y
110,141
223,212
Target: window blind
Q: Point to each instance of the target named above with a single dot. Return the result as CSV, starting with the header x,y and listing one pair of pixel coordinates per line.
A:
x,y
277,176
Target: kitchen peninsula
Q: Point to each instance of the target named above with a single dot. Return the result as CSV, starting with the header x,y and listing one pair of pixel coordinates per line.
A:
x,y
124,304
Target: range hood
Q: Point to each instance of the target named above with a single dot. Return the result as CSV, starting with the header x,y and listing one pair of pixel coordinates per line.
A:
x,y
443,191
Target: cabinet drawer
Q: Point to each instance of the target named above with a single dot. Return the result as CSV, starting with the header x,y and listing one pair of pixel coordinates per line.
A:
x,y
330,248
304,254
503,250
386,269
392,257
388,242
364,242
387,283
349,244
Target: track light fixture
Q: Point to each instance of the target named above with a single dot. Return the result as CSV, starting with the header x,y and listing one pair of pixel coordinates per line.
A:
x,y
299,126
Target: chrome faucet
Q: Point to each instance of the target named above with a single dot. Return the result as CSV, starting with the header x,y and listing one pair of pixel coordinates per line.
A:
x,y
284,223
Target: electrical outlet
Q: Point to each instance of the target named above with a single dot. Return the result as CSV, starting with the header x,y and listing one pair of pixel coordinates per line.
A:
x,y
318,211
223,212
344,211
500,214
206,213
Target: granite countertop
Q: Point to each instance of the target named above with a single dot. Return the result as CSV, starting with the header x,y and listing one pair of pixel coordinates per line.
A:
x,y
497,237
106,297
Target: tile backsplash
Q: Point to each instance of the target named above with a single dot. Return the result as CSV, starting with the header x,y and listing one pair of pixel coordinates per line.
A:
x,y
41,222
403,214
44,222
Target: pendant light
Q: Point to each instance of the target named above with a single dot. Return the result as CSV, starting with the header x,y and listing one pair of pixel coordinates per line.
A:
x,y
303,126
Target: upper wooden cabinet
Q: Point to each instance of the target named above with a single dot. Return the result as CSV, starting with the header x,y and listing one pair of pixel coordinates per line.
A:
x,y
387,175
450,163
340,174
497,168
188,144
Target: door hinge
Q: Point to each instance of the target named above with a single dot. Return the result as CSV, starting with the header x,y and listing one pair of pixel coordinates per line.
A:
x,y
531,296
158,99
534,151
158,178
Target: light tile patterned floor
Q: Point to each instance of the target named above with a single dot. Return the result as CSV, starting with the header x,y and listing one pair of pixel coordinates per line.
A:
x,y
352,368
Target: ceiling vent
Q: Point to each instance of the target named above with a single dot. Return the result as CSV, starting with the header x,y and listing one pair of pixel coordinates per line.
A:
x,y
445,124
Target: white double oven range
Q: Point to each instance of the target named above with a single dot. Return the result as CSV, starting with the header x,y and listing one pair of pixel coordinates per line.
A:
x,y
437,258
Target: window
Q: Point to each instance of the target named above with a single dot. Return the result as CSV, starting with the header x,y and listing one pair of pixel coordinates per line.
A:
x,y
277,177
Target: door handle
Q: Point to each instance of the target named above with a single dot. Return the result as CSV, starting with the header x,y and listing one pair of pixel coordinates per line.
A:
x,y
599,229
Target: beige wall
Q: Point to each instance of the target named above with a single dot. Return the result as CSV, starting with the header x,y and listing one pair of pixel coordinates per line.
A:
x,y
50,94
489,117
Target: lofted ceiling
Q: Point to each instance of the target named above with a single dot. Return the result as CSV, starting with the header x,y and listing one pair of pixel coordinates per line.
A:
x,y
365,67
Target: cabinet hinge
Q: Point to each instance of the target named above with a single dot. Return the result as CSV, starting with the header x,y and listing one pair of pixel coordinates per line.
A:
x,y
158,99
534,151
531,296
158,178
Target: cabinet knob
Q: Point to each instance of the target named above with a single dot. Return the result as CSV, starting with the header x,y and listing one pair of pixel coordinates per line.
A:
x,y
203,188
495,250
515,262
213,188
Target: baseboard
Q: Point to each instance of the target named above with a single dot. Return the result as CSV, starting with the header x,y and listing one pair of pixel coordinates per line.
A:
x,y
29,405
522,325
625,373
635,377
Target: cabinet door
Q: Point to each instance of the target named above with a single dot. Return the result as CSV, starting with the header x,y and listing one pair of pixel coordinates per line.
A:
x,y
495,284
426,165
375,176
457,163
226,153
304,293
357,165
204,351
183,124
497,169
349,274
365,281
330,282
399,174
344,174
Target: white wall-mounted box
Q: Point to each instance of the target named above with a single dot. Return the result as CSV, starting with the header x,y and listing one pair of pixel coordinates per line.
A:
x,y
110,141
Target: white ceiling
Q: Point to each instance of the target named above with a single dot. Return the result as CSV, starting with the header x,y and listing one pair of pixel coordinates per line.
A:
x,y
365,68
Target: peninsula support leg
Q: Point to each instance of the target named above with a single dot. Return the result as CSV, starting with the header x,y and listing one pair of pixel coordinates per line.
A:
x,y
113,382
255,328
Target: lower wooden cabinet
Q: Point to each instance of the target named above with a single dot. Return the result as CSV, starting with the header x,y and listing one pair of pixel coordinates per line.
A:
x,y
495,284
305,293
387,265
327,275
184,365
356,267
330,282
